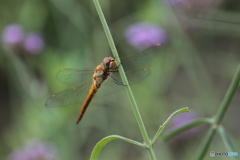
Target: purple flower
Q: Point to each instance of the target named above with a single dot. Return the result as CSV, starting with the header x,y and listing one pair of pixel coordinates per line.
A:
x,y
12,34
182,119
144,35
35,150
33,43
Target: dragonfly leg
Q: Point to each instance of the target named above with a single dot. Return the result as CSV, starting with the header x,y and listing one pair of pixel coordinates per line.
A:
x,y
117,81
114,69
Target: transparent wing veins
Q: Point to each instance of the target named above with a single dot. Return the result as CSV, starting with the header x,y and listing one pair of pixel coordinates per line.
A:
x,y
69,96
73,77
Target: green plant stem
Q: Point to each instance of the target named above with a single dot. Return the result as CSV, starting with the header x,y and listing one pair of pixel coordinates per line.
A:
x,y
151,153
220,114
226,139
228,97
124,79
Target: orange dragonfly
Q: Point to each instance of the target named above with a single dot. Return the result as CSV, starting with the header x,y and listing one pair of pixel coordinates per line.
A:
x,y
87,82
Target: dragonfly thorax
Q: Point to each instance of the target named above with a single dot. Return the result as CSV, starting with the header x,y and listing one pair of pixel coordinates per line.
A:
x,y
100,75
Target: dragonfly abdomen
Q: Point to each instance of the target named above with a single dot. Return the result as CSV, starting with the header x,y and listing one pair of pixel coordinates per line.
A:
x,y
91,93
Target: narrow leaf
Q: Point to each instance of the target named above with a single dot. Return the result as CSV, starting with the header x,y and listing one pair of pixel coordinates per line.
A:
x,y
185,127
166,122
98,147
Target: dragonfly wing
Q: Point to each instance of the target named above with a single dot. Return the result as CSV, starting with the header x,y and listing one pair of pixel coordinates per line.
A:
x,y
113,85
141,58
134,75
70,96
73,77
107,88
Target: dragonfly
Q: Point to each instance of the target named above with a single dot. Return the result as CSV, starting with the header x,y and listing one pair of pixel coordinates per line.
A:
x,y
87,82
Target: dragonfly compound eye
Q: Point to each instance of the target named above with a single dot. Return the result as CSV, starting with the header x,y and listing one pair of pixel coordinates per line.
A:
x,y
107,60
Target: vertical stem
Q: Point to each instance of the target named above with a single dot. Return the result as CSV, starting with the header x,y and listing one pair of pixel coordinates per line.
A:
x,y
220,114
125,81
206,142
228,97
151,153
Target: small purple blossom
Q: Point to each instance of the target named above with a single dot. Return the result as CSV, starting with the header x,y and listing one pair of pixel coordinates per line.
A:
x,y
182,119
144,35
12,34
14,37
35,150
33,43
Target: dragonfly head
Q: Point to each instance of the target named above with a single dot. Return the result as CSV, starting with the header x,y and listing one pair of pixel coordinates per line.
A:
x,y
109,63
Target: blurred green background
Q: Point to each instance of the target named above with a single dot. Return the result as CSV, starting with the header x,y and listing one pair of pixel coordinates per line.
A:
x,y
194,70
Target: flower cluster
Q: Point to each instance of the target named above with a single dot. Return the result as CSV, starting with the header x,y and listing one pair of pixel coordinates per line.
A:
x,y
144,35
35,150
182,119
14,36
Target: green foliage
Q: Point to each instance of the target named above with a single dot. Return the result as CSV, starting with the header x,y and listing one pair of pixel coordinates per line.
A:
x,y
97,149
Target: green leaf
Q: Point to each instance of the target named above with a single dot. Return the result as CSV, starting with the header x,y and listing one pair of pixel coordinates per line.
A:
x,y
98,147
226,140
166,122
185,127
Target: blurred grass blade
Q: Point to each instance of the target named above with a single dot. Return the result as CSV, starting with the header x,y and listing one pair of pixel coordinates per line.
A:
x,y
226,140
98,147
185,127
166,122
22,75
